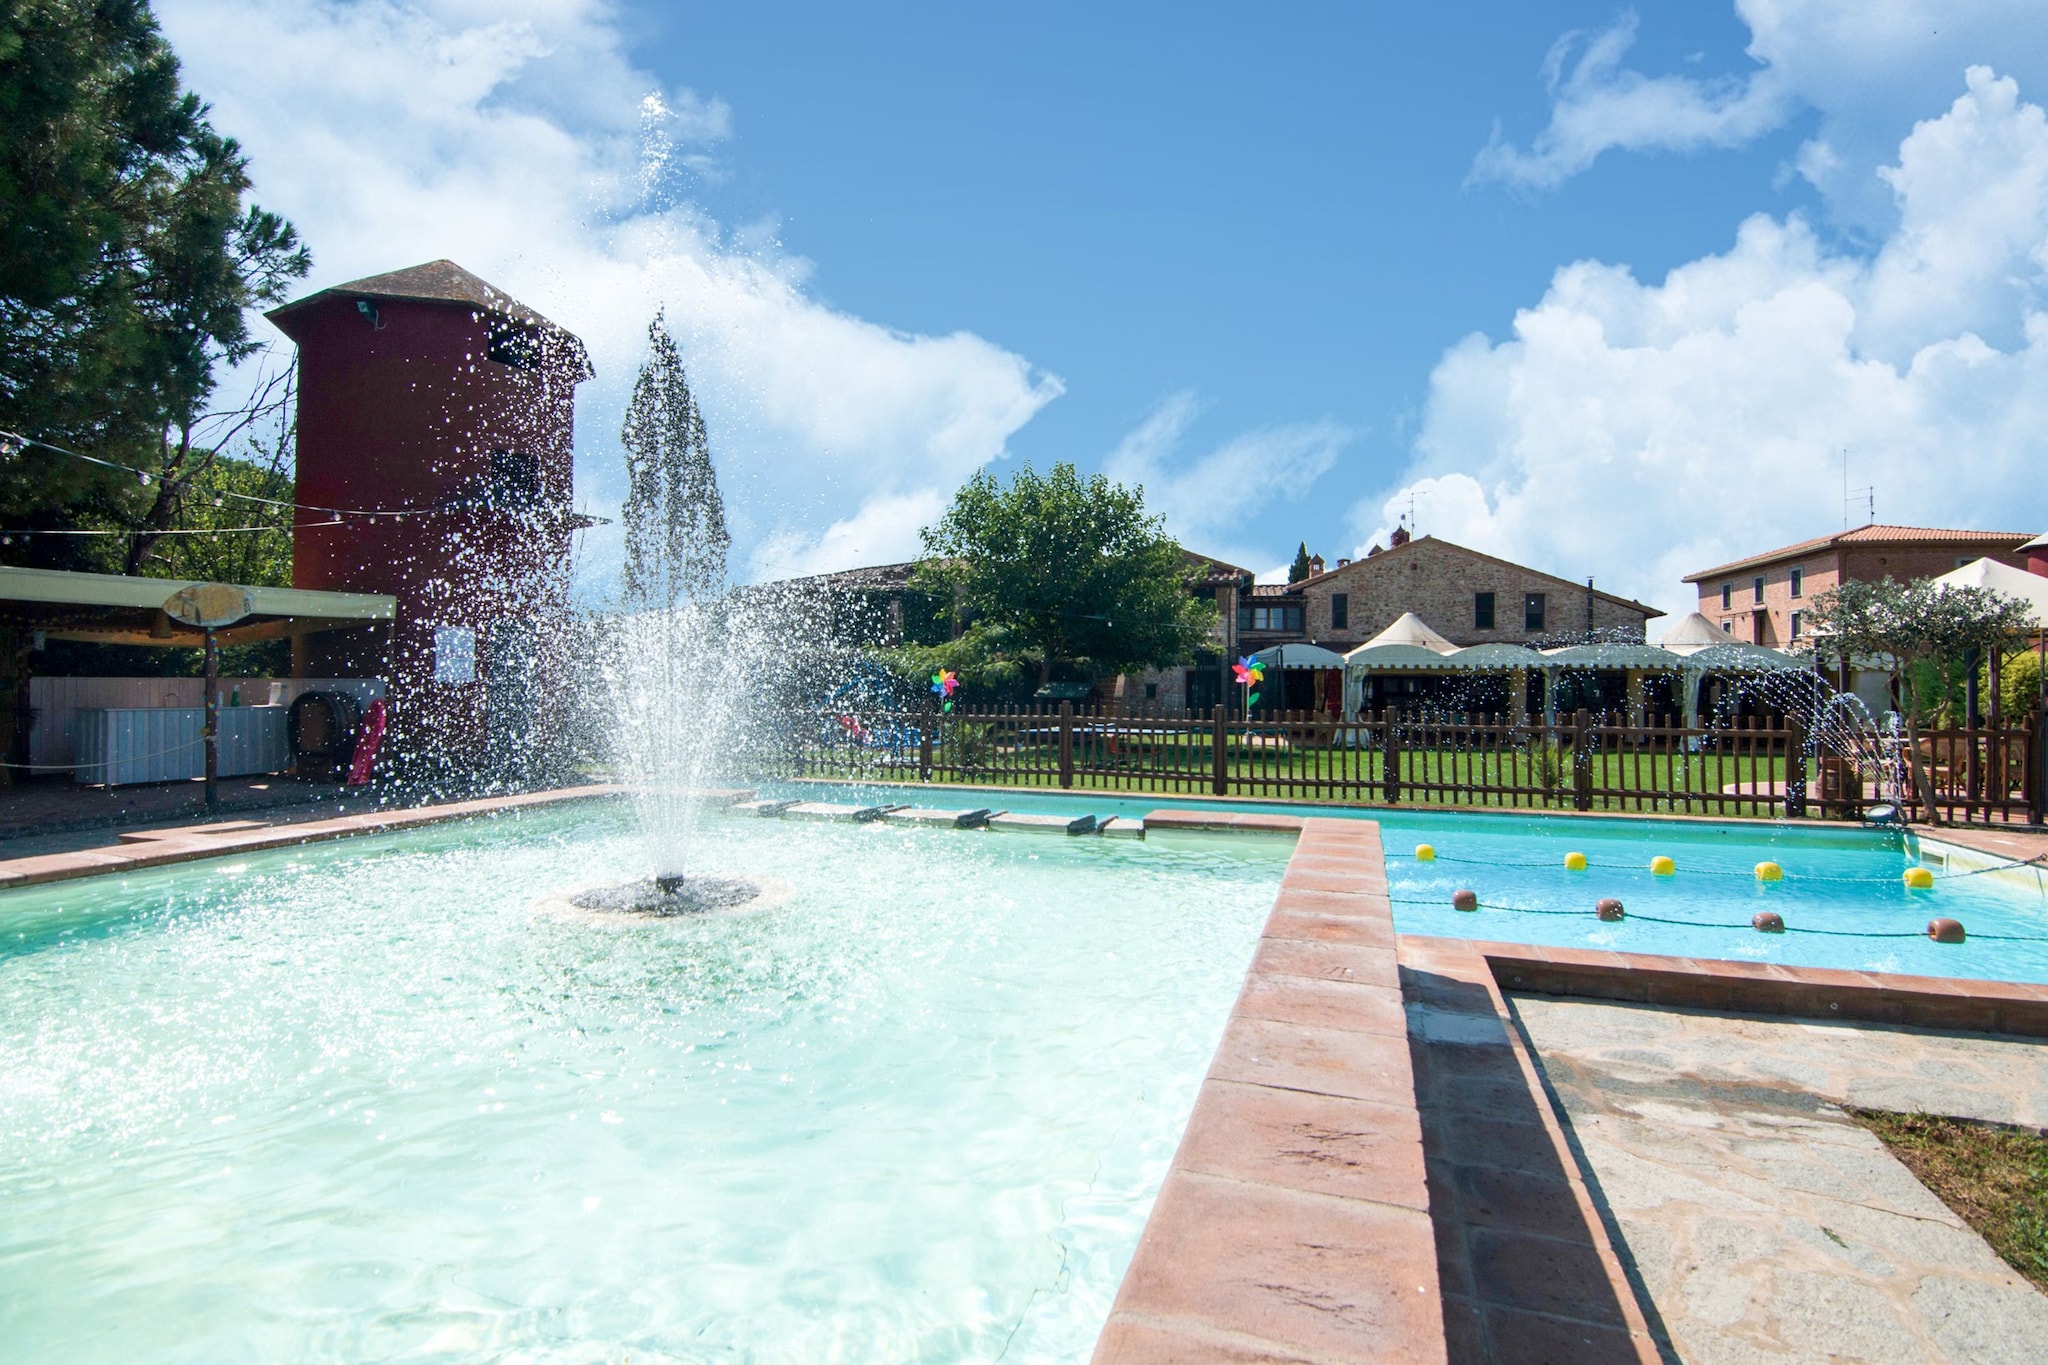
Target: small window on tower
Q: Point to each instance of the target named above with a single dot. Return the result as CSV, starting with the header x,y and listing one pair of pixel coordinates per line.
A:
x,y
515,478
514,345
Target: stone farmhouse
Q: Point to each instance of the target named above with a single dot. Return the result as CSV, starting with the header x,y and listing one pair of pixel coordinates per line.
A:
x,y
1467,596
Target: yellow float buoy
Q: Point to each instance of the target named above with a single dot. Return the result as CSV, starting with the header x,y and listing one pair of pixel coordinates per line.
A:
x,y
1769,872
1663,866
1575,862
1919,879
1425,853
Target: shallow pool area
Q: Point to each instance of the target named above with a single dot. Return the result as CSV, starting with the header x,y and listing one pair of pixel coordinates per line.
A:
x,y
384,1098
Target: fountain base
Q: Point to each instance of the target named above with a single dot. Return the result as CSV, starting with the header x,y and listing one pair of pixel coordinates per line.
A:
x,y
664,897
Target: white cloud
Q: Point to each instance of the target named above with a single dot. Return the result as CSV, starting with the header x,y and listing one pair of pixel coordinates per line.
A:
x,y
517,138
1641,431
1208,498
1599,105
1859,63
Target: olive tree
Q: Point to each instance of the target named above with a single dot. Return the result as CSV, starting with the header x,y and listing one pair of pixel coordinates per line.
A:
x,y
1917,628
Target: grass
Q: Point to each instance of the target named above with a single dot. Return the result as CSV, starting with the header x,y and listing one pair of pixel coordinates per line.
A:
x,y
1622,781
1995,1178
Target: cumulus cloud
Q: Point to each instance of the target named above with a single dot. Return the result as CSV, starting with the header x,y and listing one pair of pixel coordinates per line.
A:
x,y
1645,430
1206,498
1858,63
518,139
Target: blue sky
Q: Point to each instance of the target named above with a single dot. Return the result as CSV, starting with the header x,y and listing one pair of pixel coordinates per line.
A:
x,y
1608,290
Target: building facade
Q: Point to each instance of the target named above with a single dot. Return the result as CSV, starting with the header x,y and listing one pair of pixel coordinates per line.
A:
x,y
1765,599
1467,596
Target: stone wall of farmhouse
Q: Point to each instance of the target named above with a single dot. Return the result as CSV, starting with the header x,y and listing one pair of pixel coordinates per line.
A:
x,y
1438,582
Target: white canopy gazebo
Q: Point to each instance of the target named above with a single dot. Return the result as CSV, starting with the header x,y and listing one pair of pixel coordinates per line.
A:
x,y
2031,588
1299,655
1408,645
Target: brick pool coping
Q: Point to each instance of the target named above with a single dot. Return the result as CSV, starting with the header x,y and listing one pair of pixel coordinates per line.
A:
x,y
148,848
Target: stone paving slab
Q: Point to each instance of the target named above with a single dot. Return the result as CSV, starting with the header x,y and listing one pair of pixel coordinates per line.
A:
x,y
1761,1222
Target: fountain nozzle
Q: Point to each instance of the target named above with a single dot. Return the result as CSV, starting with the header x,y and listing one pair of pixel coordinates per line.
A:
x,y
669,885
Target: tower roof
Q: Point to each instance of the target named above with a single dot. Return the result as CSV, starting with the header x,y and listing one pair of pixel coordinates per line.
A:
x,y
440,281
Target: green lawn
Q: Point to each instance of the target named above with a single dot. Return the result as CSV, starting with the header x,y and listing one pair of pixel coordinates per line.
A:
x,y
1185,764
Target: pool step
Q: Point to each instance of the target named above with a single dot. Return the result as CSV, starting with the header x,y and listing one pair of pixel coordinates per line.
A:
x,y
956,819
764,809
1120,827
826,810
1042,824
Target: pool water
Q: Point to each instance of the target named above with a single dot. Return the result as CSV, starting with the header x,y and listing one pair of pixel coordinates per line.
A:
x,y
1842,899
369,1099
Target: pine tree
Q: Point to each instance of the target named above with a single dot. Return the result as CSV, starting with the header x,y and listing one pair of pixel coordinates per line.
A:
x,y
676,539
1301,568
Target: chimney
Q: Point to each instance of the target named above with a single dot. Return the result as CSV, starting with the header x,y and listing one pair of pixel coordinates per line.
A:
x,y
1342,563
1399,538
1373,551
1315,564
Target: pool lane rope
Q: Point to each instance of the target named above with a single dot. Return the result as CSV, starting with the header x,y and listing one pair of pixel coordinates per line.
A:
x,y
1714,924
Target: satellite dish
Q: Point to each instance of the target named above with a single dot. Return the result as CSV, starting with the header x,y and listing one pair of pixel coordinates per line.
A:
x,y
209,605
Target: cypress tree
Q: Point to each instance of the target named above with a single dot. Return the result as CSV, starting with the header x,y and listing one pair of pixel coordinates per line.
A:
x,y
676,540
1301,568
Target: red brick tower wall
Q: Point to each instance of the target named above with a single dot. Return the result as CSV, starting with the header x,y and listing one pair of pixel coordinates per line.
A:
x,y
405,413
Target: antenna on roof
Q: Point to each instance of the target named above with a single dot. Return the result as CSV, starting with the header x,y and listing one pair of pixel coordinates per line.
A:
x,y
1867,495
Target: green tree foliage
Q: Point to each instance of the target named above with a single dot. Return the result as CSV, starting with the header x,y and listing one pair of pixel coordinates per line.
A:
x,y
1300,568
676,539
1054,569
128,260
1922,630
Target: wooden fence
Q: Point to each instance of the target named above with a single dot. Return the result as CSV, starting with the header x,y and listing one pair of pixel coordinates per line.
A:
x,y
1582,762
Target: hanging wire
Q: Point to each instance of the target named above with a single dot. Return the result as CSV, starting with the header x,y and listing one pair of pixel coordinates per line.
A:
x,y
12,443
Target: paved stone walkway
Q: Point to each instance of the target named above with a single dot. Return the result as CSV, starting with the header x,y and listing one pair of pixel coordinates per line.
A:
x,y
1760,1222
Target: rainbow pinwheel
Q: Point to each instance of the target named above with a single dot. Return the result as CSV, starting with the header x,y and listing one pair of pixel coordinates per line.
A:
x,y
1250,673
945,683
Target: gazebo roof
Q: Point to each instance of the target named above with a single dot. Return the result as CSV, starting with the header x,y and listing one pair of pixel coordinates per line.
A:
x,y
1408,643
1612,656
2031,588
1299,655
1693,633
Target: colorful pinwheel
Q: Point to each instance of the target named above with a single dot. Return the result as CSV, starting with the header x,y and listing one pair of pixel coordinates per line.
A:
x,y
1250,673
945,683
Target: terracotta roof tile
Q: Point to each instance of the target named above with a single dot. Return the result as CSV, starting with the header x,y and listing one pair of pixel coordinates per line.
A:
x,y
1875,533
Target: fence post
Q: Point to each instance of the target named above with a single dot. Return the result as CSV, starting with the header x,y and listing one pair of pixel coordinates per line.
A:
x,y
2037,767
1390,757
924,742
1066,744
1795,769
1219,752
1583,743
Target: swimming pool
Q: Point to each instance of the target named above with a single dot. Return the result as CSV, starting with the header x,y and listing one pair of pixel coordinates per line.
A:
x,y
1842,899
381,1098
